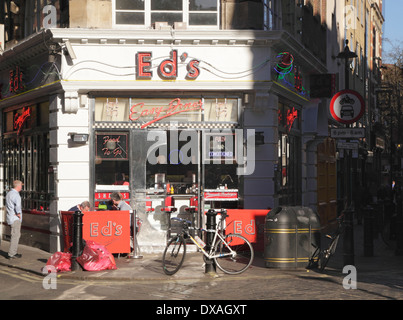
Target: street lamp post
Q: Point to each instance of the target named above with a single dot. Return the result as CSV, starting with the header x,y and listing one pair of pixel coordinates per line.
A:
x,y
348,245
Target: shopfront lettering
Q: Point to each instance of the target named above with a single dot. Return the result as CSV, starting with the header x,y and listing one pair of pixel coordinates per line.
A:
x,y
111,146
249,229
20,119
139,110
109,230
16,80
167,69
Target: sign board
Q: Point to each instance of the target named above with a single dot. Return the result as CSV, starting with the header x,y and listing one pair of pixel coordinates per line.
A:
x,y
347,145
322,85
111,146
347,106
110,228
221,195
221,146
248,223
347,133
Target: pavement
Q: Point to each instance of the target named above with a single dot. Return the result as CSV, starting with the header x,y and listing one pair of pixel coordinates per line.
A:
x,y
149,267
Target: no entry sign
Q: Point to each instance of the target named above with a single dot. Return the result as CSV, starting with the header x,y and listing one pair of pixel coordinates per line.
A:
x,y
347,106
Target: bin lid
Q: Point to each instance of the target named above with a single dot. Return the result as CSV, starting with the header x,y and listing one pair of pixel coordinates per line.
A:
x,y
292,216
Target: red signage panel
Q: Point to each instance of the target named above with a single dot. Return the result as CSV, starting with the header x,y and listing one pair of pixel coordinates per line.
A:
x,y
110,228
220,195
248,223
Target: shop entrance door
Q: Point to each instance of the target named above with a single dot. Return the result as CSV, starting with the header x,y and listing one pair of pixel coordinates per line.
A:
x,y
327,182
165,175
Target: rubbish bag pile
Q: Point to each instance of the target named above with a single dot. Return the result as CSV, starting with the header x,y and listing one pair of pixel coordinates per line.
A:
x,y
95,257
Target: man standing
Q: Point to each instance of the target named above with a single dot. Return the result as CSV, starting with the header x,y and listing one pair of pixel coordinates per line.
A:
x,y
14,217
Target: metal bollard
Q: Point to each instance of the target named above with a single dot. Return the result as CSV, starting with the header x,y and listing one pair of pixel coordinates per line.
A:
x,y
78,244
348,245
210,225
368,231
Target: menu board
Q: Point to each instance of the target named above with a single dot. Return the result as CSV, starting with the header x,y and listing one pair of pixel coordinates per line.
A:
x,y
112,146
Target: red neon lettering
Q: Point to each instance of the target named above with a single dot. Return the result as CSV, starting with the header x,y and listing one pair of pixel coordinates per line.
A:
x,y
19,120
143,65
108,139
291,116
193,70
158,113
169,67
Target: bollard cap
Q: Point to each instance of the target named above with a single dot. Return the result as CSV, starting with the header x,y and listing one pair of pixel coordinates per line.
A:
x,y
211,212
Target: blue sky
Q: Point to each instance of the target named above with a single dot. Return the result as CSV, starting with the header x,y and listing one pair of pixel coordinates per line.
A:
x,y
393,29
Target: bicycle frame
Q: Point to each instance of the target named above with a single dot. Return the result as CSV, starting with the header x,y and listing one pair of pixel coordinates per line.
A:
x,y
210,254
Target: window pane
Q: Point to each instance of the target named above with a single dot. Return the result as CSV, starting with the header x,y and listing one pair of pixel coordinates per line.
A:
x,y
129,18
209,19
129,4
166,4
199,5
112,173
166,17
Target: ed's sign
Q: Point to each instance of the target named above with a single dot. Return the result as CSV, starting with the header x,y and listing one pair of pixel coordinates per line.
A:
x,y
110,228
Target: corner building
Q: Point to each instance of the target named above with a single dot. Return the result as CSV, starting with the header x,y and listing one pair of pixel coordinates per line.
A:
x,y
201,104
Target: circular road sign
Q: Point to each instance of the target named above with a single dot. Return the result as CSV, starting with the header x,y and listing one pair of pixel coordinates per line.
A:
x,y
347,106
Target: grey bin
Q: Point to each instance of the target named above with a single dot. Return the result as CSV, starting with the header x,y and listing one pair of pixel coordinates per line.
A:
x,y
288,237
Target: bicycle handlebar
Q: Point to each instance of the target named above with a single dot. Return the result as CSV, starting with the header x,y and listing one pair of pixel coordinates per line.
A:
x,y
182,220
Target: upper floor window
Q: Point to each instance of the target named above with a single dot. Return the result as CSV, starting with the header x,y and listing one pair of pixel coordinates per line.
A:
x,y
145,13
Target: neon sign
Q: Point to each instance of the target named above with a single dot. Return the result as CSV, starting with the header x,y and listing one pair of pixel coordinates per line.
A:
x,y
289,118
16,80
158,113
20,119
292,115
288,73
285,64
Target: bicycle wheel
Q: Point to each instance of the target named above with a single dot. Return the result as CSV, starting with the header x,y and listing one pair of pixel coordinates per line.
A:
x,y
324,259
314,260
241,258
173,256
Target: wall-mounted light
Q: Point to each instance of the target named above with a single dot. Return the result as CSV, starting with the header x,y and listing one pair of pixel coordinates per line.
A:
x,y
246,98
68,49
259,138
79,137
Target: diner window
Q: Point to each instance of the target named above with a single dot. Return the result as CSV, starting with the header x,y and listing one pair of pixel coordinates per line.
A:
x,y
26,158
25,152
145,13
173,163
111,161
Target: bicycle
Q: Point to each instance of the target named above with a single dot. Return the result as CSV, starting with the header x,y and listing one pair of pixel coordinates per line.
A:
x,y
232,253
320,258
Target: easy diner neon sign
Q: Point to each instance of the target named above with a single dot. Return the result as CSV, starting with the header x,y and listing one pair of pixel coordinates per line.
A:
x,y
139,110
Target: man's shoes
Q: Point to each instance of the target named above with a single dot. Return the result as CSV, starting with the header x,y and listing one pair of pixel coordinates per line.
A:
x,y
16,256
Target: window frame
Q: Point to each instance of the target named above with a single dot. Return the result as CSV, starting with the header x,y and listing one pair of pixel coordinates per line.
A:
x,y
147,17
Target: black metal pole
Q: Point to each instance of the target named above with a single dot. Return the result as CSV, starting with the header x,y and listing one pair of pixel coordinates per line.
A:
x,y
348,244
78,245
368,231
399,199
399,224
210,225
